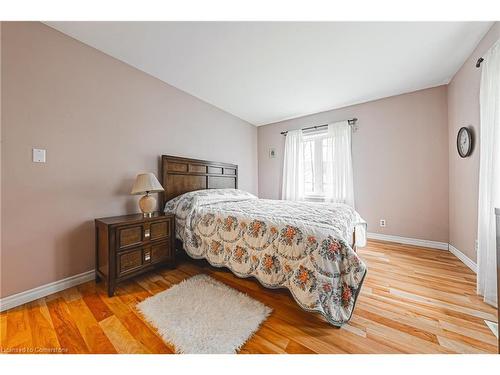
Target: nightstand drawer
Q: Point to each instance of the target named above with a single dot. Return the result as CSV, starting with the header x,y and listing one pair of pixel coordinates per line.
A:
x,y
136,235
129,261
129,236
159,230
161,252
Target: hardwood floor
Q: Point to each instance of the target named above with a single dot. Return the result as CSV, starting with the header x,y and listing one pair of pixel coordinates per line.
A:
x,y
414,300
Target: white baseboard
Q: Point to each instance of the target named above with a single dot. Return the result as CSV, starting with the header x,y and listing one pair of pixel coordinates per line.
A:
x,y
426,243
409,241
464,258
44,290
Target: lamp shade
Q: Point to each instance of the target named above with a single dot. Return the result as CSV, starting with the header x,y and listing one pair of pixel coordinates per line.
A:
x,y
146,182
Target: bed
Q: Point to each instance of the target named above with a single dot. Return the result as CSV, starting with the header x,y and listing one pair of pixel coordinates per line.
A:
x,y
305,247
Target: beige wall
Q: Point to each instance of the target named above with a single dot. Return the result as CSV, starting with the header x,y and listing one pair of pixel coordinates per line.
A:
x,y
400,161
463,110
101,122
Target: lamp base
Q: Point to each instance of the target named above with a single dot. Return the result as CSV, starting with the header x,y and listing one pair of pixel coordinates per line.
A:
x,y
147,204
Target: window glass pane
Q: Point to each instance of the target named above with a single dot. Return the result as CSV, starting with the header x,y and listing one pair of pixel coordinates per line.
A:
x,y
308,166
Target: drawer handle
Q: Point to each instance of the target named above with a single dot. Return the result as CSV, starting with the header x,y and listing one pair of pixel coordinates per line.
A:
x,y
147,256
147,233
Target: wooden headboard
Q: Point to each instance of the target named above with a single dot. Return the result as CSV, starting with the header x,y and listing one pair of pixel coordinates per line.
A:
x,y
181,175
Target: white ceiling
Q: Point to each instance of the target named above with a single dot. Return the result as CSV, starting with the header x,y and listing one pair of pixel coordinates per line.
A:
x,y
265,72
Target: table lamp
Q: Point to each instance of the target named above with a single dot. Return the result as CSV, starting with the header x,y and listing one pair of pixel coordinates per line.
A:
x,y
146,183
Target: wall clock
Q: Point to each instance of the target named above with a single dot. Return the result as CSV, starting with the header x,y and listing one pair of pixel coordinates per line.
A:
x,y
464,142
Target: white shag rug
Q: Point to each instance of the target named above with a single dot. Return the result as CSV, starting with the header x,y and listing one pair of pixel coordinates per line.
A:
x,y
202,315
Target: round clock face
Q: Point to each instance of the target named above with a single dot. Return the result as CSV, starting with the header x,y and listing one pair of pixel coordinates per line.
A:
x,y
464,142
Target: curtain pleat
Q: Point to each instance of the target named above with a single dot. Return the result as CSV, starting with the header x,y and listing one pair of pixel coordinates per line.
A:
x,y
339,174
293,168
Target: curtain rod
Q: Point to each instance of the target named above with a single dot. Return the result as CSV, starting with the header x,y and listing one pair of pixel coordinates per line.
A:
x,y
479,61
351,122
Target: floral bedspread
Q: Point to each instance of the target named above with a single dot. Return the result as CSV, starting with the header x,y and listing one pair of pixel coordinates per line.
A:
x,y
301,246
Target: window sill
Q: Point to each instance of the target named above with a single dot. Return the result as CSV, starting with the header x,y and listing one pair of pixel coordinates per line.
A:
x,y
314,198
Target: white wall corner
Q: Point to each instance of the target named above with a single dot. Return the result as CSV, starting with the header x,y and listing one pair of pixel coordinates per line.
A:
x,y
464,258
30,295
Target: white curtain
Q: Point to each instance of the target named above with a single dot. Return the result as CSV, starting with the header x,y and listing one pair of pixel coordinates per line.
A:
x,y
293,167
489,174
339,175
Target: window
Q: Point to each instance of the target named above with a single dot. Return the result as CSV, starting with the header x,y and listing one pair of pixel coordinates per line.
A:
x,y
318,165
317,161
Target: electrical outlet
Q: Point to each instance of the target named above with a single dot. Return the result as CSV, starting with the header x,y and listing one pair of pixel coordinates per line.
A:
x,y
382,223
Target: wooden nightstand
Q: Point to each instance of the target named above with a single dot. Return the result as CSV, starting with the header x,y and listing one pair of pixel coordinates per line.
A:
x,y
129,245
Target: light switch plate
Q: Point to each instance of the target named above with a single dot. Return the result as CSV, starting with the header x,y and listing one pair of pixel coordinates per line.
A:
x,y
38,155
